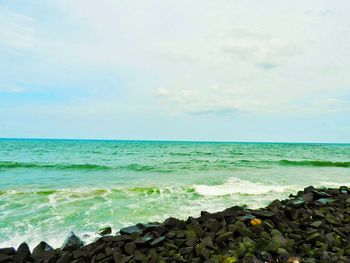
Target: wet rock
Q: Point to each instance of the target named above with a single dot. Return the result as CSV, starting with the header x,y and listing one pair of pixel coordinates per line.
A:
x,y
325,201
297,202
72,242
105,231
131,230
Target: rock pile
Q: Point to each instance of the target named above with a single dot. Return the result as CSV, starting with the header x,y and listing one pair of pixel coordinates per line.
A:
x,y
312,226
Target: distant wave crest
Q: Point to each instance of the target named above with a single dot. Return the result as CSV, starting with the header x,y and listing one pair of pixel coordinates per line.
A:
x,y
51,165
315,163
169,167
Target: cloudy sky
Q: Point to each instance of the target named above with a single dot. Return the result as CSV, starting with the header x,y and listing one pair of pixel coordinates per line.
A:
x,y
227,70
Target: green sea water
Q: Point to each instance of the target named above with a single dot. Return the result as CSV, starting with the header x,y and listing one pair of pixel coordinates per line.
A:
x,y
50,187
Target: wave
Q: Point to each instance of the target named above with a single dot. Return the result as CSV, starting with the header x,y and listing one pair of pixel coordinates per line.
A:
x,y
314,163
169,167
93,192
237,186
48,165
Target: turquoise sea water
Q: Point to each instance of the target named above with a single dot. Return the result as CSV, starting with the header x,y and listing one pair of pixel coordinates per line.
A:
x,y
49,187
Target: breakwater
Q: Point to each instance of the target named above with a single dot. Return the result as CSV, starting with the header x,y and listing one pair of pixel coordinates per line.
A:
x,y
310,226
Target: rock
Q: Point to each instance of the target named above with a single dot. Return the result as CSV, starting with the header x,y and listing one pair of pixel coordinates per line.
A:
x,y
5,258
320,194
130,230
207,242
231,259
72,242
7,251
316,224
130,248
314,237
22,253
214,225
186,250
65,258
105,231
157,241
172,222
224,237
144,239
333,220
42,247
325,201
297,202
277,241
263,213
247,217
283,253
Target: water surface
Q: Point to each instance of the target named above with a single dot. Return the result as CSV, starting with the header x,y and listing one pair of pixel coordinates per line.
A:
x,y
49,187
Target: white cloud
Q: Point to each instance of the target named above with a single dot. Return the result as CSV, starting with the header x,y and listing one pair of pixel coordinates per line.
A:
x,y
250,56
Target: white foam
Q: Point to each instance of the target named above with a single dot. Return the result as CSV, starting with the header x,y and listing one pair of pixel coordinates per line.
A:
x,y
237,186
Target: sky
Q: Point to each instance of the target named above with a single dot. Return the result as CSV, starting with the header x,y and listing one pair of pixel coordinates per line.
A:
x,y
224,70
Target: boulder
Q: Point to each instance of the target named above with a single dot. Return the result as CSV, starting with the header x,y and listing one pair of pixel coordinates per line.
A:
x,y
72,242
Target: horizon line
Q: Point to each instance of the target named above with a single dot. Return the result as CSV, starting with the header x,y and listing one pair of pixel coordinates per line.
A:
x,y
162,140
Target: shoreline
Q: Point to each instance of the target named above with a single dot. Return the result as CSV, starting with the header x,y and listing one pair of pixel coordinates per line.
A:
x,y
311,226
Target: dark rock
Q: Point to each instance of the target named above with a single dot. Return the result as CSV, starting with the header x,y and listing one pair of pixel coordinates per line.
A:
x,y
7,251
325,201
42,247
105,231
172,222
224,237
144,239
213,224
207,242
297,202
65,258
320,194
5,258
247,217
333,220
263,213
80,253
131,230
315,237
157,241
186,250
277,241
22,254
72,242
130,248
316,224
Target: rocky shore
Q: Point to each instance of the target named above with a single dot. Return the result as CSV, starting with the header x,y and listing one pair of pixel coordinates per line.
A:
x,y
311,226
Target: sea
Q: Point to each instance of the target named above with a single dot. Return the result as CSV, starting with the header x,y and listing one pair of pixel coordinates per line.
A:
x,y
51,187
